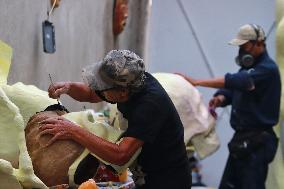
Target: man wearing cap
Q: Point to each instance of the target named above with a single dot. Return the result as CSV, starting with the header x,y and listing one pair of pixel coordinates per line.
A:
x,y
153,122
254,93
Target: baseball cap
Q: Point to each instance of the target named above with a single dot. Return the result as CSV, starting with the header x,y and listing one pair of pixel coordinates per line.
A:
x,y
248,32
119,68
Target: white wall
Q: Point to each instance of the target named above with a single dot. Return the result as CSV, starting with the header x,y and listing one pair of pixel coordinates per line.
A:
x,y
83,33
173,47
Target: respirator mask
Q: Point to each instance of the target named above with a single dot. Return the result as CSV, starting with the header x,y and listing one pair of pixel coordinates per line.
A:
x,y
244,59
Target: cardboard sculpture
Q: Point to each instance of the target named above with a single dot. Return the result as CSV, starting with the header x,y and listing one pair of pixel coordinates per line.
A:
x,y
53,160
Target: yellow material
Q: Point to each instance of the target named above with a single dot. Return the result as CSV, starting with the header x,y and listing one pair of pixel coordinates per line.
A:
x,y
16,170
276,168
98,126
28,98
7,179
9,150
5,61
12,129
73,168
90,184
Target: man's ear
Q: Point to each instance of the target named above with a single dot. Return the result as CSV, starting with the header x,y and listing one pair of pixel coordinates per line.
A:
x,y
259,42
125,91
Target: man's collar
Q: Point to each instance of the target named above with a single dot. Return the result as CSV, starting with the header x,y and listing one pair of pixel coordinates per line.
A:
x,y
261,56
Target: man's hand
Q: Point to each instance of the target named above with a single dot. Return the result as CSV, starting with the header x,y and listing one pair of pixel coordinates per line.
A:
x,y
216,101
59,88
59,127
189,79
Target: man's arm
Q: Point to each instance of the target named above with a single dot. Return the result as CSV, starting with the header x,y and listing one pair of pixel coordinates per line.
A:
x,y
213,83
118,154
83,93
77,90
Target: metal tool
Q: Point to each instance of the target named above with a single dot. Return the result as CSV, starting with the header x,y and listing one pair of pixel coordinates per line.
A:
x,y
53,87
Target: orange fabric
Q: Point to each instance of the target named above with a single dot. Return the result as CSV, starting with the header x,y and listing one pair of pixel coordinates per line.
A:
x,y
90,184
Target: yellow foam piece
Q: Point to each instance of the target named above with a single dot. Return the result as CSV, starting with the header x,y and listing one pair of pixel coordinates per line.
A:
x,y
12,129
7,179
98,126
276,168
5,61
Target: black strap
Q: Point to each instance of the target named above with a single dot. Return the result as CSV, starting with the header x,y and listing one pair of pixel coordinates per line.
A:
x,y
256,30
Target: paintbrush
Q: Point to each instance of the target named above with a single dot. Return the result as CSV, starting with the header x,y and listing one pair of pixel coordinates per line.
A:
x,y
53,87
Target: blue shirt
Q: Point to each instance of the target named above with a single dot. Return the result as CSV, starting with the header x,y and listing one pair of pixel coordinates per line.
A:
x,y
254,94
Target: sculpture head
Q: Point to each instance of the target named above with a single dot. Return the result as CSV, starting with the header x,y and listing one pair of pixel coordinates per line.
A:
x,y
51,163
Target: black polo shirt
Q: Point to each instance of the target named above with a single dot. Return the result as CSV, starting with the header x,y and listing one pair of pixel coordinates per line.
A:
x,y
254,94
153,119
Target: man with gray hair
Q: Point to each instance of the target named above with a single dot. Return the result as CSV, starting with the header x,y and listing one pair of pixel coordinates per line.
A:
x,y
153,122
254,93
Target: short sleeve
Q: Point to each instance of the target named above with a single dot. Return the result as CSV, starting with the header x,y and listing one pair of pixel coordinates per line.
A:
x,y
146,121
260,74
245,80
